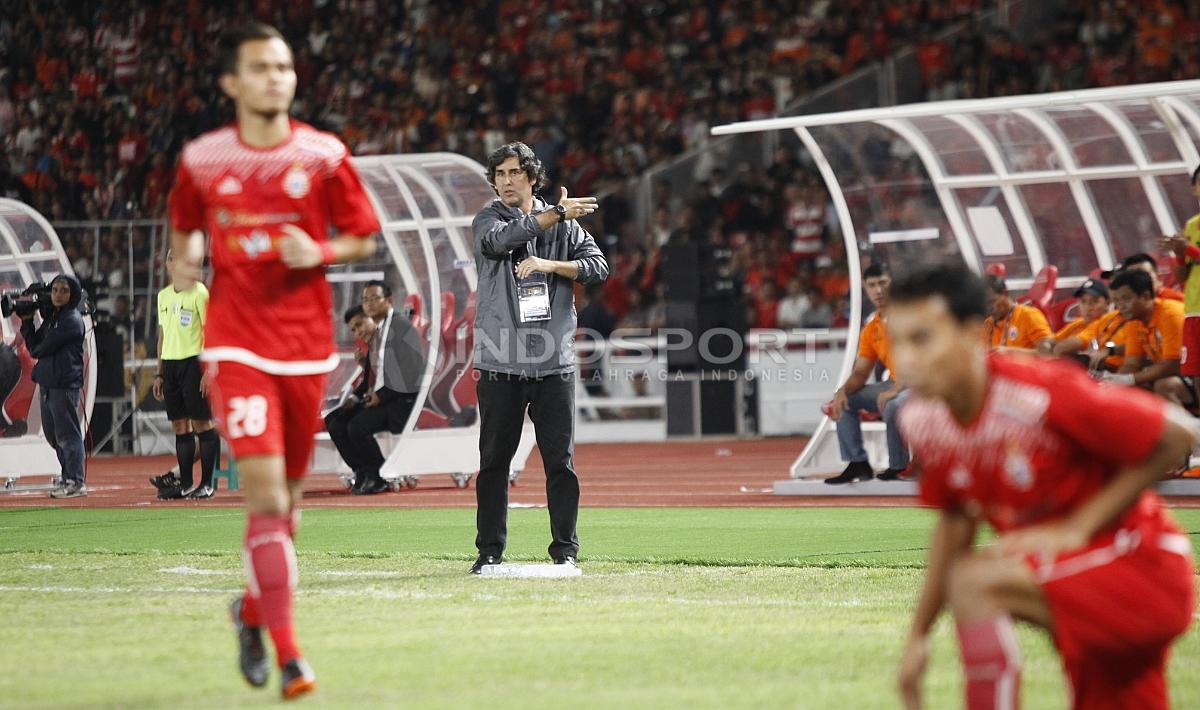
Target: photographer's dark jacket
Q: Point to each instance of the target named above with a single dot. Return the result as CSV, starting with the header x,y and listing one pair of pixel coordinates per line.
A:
x,y
502,342
58,343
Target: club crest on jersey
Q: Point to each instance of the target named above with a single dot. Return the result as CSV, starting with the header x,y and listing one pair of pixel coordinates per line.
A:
x,y
296,183
229,186
1017,469
1012,333
960,478
256,243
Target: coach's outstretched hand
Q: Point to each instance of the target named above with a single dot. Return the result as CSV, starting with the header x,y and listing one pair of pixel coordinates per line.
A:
x,y
297,249
577,206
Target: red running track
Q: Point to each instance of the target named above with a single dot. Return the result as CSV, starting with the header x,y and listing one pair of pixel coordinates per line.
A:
x,y
712,473
694,474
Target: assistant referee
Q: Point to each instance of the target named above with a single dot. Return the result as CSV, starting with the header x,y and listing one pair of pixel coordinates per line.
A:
x,y
182,384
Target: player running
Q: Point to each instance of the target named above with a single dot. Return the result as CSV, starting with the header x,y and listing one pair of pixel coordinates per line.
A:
x,y
269,192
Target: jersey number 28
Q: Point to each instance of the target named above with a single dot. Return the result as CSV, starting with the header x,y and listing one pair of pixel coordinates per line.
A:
x,y
247,416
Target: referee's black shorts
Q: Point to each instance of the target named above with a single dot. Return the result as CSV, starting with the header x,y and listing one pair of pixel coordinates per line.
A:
x,y
181,389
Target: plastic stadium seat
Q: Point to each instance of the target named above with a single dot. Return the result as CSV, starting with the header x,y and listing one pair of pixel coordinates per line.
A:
x,y
463,396
445,363
1057,314
429,419
453,391
16,388
1166,271
1042,292
417,307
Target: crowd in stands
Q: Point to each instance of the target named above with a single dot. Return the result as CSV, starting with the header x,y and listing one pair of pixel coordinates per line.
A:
x,y
93,105
96,100
1092,43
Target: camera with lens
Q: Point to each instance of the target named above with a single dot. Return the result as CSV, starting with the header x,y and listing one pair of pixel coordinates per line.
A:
x,y
35,297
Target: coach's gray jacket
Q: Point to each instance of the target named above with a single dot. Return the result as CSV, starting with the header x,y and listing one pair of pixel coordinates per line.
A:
x,y
502,342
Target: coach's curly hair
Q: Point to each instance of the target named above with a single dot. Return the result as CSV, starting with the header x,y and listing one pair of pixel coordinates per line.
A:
x,y
525,156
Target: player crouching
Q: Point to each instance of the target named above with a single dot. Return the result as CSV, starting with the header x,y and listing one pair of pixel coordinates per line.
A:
x,y
1085,548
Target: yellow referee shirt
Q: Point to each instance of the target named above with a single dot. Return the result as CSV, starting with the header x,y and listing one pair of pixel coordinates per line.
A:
x,y
1191,292
181,316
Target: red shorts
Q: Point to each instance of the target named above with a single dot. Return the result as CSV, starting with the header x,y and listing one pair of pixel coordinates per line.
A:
x,y
261,414
1116,611
1189,358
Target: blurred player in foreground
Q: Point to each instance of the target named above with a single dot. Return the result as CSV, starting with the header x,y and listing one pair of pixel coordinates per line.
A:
x,y
279,201
1061,467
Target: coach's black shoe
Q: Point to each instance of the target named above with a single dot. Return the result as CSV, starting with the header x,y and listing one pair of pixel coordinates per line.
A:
x,y
568,560
856,471
483,560
252,655
297,679
199,493
170,479
371,486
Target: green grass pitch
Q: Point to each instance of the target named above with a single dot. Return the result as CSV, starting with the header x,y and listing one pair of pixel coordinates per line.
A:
x,y
677,608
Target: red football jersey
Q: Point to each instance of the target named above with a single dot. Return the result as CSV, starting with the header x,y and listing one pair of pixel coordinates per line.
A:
x,y
262,313
1047,439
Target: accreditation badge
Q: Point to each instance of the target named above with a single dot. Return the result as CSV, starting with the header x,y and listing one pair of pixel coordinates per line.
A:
x,y
533,296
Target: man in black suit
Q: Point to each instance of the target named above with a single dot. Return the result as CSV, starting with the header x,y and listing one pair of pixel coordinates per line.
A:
x,y
394,366
338,420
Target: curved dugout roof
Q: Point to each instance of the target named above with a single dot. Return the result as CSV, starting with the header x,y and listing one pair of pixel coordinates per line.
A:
x,y
1073,179
425,205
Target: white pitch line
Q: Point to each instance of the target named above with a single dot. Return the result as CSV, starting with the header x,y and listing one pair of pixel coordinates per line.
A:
x,y
62,589
417,595
197,572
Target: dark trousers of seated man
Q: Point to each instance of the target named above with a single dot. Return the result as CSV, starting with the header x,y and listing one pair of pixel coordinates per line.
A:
x,y
353,431
503,399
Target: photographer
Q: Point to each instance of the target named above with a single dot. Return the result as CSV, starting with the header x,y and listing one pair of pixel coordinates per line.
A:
x,y
58,347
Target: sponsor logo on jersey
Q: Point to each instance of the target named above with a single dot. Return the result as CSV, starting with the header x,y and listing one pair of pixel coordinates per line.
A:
x,y
256,243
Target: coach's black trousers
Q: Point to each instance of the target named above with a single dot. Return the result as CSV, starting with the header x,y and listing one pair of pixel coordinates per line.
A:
x,y
502,403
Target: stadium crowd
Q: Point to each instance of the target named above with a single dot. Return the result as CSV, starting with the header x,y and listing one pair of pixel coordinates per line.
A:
x,y
92,111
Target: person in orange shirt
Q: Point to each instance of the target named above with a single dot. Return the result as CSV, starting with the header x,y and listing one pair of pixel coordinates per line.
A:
x,y
880,398
1012,325
1094,302
1144,262
1152,360
1103,342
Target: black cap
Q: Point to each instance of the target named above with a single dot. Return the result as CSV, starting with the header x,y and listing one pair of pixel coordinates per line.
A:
x,y
1096,287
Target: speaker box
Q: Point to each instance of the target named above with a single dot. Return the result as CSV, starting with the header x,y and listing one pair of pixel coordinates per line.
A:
x,y
682,315
681,272
720,335
682,408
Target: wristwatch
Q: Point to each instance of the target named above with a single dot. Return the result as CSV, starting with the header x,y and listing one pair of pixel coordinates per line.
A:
x,y
562,213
